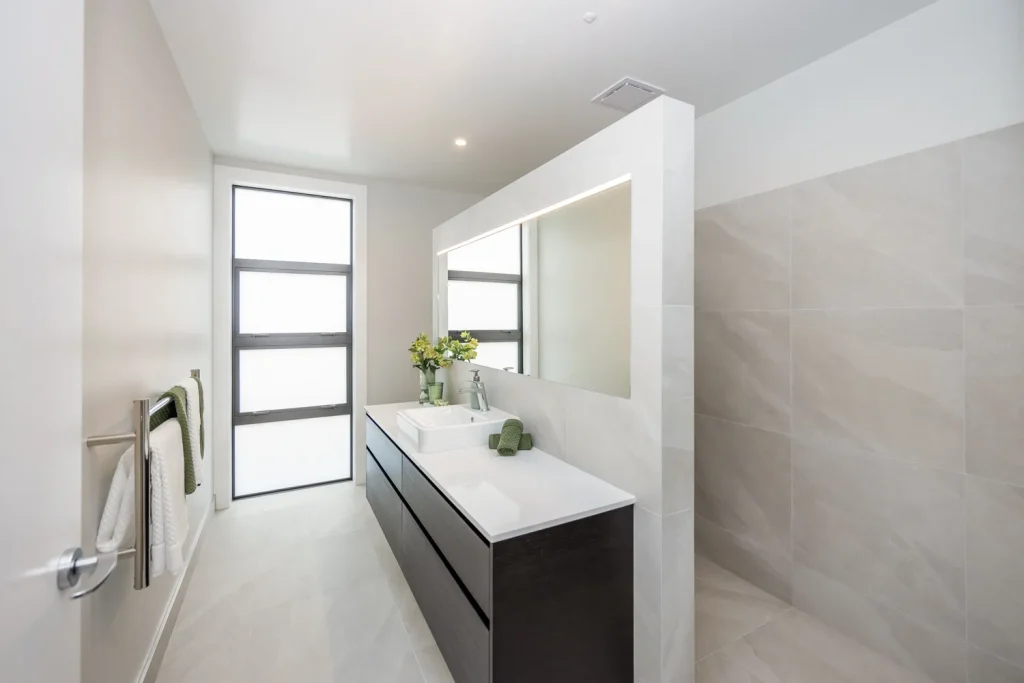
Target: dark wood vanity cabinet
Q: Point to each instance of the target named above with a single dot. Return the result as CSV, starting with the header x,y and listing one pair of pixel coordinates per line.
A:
x,y
549,606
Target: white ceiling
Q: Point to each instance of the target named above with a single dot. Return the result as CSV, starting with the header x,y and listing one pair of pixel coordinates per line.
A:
x,y
382,87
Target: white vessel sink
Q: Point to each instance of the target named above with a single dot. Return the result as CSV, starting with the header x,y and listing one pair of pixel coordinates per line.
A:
x,y
450,427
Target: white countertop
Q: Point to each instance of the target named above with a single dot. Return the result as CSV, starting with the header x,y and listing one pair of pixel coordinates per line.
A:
x,y
505,497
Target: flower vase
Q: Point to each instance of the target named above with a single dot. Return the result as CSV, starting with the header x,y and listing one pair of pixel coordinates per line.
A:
x,y
426,379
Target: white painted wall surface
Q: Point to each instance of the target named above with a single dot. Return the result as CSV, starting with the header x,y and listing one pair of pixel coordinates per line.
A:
x,y
949,71
147,290
41,329
583,293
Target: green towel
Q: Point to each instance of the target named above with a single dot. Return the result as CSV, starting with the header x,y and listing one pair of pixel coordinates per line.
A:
x,y
176,408
525,442
508,442
202,422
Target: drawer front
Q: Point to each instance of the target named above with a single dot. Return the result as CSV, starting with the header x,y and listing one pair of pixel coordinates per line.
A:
x,y
464,550
461,635
387,454
385,503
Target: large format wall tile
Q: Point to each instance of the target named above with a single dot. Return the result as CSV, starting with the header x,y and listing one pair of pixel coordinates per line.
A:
x,y
890,530
995,568
647,608
994,216
677,598
743,254
609,438
888,382
898,636
882,235
540,405
770,571
986,668
742,481
742,371
994,345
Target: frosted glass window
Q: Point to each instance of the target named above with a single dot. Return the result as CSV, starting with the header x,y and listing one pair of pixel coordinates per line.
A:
x,y
498,355
291,303
273,379
279,226
497,253
282,455
482,305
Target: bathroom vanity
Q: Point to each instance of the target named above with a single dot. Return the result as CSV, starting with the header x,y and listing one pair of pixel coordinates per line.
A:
x,y
522,566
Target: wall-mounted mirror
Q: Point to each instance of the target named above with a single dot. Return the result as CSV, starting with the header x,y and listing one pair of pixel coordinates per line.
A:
x,y
549,297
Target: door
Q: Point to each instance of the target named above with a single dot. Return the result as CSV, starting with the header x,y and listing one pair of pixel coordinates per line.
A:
x,y
40,334
292,340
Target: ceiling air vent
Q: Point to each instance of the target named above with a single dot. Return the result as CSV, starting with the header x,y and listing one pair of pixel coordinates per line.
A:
x,y
628,94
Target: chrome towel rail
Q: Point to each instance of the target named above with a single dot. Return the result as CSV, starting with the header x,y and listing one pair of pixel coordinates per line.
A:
x,y
73,565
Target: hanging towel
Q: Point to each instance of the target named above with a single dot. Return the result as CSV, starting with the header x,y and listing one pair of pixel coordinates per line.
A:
x,y
169,512
192,455
194,420
118,512
168,509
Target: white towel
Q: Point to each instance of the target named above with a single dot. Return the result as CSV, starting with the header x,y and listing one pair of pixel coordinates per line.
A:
x,y
169,512
194,418
168,509
118,512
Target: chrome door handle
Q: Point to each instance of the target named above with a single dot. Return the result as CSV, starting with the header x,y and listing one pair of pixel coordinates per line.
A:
x,y
73,566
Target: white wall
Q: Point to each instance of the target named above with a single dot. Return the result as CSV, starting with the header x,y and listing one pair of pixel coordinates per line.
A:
x,y
583,293
949,71
146,288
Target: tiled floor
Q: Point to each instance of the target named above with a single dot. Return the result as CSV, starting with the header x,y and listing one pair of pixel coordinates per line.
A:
x,y
302,587
744,635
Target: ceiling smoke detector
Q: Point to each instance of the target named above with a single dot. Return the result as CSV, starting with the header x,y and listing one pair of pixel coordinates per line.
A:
x,y
628,94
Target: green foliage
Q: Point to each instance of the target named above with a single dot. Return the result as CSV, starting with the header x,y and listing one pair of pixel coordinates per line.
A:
x,y
427,356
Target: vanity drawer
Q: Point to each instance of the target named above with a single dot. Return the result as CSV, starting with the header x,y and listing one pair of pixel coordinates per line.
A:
x,y
464,550
461,635
387,454
385,503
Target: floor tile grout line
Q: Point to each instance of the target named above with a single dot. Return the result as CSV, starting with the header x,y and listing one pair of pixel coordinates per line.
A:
x,y
769,619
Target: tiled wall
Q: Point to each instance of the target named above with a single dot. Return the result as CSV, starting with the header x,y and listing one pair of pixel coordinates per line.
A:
x,y
860,402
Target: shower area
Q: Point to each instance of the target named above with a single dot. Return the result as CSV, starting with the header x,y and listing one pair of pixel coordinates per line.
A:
x,y
859,429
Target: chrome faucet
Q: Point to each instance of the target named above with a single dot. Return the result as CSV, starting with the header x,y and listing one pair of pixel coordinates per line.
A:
x,y
478,400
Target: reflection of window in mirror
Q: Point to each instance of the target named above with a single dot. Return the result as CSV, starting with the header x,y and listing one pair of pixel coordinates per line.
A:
x,y
485,297
550,298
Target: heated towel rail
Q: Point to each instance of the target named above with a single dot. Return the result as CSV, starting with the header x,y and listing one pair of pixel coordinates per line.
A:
x,y
73,565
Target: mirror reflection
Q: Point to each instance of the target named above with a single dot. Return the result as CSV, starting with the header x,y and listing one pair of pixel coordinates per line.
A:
x,y
550,297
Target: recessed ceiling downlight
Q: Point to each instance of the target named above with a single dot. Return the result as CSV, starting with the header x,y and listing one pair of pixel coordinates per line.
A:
x,y
460,142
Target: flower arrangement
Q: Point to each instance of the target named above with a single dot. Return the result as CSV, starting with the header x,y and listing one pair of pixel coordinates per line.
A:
x,y
429,358
432,357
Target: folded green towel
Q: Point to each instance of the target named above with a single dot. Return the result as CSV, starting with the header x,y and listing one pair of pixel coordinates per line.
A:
x,y
525,442
508,443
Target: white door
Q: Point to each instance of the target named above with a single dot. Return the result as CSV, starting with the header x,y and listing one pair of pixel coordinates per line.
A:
x,y
41,71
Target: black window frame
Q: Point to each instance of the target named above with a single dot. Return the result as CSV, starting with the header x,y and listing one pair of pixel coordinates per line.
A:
x,y
241,342
509,278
